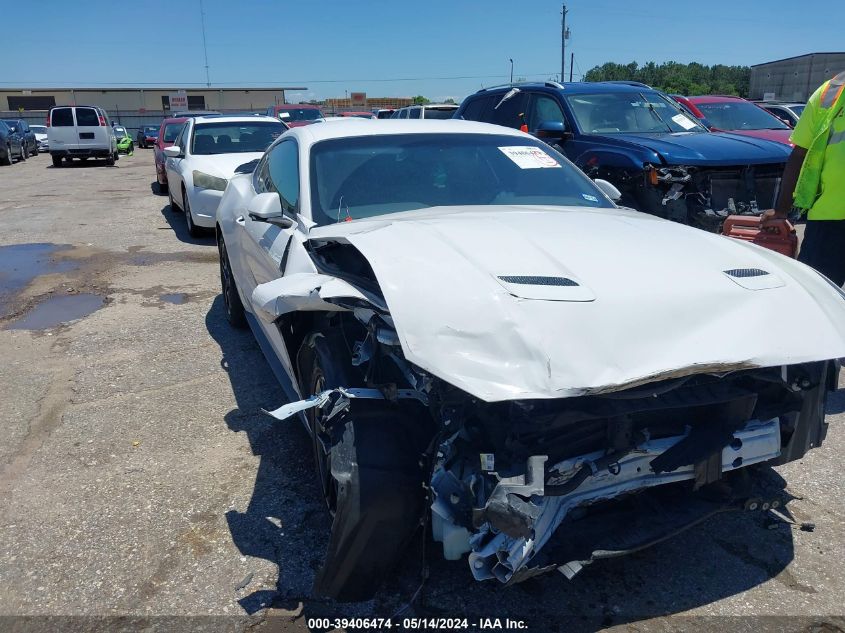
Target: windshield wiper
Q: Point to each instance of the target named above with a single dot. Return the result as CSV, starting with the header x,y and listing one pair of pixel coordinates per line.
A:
x,y
654,111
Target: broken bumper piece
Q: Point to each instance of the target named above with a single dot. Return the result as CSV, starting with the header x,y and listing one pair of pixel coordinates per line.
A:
x,y
519,518
344,395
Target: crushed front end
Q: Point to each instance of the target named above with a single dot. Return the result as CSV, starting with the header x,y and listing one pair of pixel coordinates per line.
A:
x,y
508,475
704,196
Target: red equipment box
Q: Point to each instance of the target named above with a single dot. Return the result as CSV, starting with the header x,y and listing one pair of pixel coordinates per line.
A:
x,y
778,235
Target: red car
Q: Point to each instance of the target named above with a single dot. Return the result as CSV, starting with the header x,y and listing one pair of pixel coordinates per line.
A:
x,y
737,116
295,115
166,135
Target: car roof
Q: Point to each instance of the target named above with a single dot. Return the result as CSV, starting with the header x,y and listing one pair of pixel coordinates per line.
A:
x,y
351,127
297,106
175,119
575,87
222,118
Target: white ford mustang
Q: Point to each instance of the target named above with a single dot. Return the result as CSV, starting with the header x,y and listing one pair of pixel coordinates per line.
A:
x,y
205,155
479,340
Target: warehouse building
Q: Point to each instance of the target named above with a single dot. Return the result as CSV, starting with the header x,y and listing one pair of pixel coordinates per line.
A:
x,y
794,78
152,99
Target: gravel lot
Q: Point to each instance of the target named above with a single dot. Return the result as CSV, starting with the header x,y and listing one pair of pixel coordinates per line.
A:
x,y
140,478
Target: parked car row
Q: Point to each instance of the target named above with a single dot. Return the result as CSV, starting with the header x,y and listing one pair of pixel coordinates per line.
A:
x,y
17,141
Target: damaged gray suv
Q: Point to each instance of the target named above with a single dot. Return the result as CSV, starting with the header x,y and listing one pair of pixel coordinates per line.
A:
x,y
479,341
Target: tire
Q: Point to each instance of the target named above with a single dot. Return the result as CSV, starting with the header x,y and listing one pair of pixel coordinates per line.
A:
x,y
375,463
110,161
193,229
131,147
8,159
57,160
173,206
35,151
162,189
24,152
235,313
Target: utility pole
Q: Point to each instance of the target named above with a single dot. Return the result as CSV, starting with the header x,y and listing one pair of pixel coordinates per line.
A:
x,y
204,46
563,35
571,65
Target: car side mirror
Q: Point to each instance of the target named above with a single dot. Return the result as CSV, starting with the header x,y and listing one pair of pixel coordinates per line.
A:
x,y
553,131
174,151
608,189
267,207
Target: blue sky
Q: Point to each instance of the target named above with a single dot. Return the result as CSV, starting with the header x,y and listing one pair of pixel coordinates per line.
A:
x,y
437,48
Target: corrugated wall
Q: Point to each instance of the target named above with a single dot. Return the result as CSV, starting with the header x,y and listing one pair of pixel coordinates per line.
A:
x,y
795,79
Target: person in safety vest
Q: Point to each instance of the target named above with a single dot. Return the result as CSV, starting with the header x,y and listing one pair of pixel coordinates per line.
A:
x,y
814,180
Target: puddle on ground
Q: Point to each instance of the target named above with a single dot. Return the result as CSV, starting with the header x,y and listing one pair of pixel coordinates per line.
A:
x,y
177,297
58,310
21,263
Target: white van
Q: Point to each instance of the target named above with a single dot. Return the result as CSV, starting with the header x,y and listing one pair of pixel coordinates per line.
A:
x,y
80,132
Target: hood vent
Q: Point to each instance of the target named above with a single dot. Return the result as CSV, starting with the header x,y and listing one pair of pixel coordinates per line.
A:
x,y
754,278
545,288
535,280
744,273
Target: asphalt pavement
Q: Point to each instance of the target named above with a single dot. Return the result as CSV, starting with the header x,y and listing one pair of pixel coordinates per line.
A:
x,y
141,487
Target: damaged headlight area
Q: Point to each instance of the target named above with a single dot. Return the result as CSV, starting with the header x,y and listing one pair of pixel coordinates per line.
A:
x,y
705,196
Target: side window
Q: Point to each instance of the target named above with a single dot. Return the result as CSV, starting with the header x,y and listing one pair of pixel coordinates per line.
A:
x,y
543,109
403,114
511,111
414,113
61,117
283,163
87,117
479,108
261,179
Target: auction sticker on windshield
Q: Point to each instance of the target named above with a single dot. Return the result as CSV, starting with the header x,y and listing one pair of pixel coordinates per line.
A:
x,y
684,121
528,157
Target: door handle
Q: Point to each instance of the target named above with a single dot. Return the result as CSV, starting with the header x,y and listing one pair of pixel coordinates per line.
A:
x,y
240,220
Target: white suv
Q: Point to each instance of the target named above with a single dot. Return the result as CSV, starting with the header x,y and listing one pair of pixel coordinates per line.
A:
x,y
80,132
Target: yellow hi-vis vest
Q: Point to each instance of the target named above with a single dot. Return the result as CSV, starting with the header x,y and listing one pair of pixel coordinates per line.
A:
x,y
807,188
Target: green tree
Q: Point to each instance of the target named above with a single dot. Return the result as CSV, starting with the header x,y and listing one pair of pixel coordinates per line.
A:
x,y
676,78
420,100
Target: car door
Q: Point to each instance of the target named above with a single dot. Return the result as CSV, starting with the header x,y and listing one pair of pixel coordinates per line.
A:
x,y
263,245
90,128
62,131
545,108
172,165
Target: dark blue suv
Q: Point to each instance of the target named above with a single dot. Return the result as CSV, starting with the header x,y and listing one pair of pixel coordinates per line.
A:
x,y
662,160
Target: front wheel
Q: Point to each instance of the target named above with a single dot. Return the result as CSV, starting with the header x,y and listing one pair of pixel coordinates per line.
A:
x,y
235,313
8,158
193,229
57,160
24,152
370,466
35,151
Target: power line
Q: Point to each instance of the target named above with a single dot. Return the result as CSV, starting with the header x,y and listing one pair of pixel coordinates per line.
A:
x,y
118,84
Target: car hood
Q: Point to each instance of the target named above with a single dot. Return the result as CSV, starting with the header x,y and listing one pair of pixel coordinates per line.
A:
x,y
652,300
704,149
222,165
778,136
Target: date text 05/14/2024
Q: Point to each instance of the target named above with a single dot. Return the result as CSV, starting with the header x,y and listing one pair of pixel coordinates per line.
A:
x,y
417,624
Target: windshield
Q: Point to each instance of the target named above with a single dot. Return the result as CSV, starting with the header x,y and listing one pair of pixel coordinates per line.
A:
x,y
630,112
300,114
234,138
38,129
740,115
797,109
119,132
11,123
149,129
171,131
368,176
